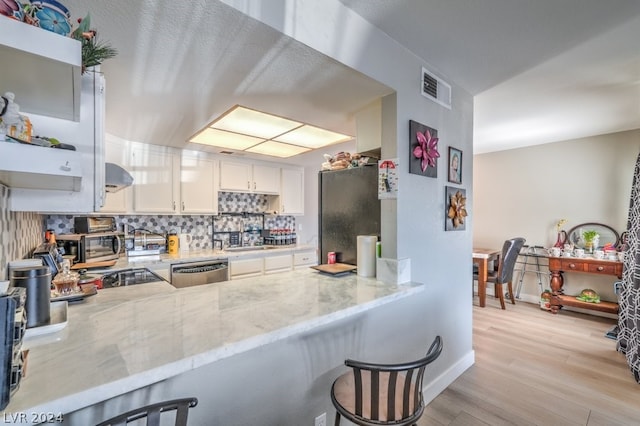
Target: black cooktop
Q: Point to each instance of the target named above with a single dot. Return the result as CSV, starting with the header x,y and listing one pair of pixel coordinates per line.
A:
x,y
130,277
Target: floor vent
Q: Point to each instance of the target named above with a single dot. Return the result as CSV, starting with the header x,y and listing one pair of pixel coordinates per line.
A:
x,y
435,89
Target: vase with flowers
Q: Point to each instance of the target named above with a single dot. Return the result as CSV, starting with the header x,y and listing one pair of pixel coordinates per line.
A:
x,y
562,234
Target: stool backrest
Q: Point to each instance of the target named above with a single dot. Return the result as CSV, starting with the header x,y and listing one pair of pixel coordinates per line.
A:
x,y
390,393
152,413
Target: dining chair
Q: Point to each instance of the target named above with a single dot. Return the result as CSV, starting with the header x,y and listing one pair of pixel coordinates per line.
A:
x,y
151,413
382,394
506,265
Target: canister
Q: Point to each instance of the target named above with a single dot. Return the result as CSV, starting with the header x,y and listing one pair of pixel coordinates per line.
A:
x,y
37,281
173,243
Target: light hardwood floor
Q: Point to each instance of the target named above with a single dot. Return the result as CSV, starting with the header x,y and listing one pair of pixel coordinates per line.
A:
x,y
536,368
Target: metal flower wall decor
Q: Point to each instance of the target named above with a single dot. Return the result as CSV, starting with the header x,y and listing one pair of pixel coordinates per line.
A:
x,y
456,206
423,152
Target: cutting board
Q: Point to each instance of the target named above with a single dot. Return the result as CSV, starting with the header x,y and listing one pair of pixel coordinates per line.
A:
x,y
103,264
335,268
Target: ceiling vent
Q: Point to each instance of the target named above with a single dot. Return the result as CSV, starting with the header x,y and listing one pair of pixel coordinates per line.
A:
x,y
435,89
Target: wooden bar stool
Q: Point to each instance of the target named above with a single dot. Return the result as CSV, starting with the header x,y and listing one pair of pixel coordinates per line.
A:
x,y
382,394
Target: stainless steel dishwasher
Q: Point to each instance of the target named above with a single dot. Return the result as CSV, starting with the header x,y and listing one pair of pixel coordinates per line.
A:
x,y
199,273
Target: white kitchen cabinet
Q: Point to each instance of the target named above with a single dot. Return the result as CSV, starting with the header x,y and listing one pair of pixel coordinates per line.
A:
x,y
266,179
156,179
43,69
247,177
198,192
87,135
292,192
305,259
242,268
118,151
280,263
235,176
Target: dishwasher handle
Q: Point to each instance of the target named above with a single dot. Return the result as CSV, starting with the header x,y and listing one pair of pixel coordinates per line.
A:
x,y
199,273
190,269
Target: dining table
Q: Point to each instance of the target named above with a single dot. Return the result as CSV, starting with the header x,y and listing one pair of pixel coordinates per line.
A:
x,y
482,257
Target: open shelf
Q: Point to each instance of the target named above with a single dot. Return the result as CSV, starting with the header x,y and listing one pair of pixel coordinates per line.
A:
x,y
42,69
609,307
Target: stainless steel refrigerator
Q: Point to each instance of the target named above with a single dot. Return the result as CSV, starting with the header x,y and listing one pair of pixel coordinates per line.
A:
x,y
348,207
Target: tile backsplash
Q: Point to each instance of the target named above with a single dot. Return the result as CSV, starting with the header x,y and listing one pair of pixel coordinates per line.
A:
x,y
20,233
200,226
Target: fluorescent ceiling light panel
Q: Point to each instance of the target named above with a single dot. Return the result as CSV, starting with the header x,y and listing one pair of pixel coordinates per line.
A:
x,y
312,137
254,123
224,139
244,129
278,149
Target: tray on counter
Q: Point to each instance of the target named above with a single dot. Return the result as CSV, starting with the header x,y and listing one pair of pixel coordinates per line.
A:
x,y
335,268
85,291
91,265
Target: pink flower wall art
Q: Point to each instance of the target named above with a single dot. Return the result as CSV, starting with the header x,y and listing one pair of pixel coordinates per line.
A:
x,y
423,150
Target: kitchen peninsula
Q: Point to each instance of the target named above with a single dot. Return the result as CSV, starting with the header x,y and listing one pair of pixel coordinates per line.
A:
x,y
150,337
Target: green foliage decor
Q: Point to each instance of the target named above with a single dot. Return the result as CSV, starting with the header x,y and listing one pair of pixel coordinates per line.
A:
x,y
94,52
589,236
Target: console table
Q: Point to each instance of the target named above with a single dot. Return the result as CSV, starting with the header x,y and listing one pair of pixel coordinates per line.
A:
x,y
558,265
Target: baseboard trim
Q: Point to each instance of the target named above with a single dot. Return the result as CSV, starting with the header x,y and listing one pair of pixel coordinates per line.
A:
x,y
440,383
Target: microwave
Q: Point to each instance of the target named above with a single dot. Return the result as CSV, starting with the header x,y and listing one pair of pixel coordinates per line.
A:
x,y
88,248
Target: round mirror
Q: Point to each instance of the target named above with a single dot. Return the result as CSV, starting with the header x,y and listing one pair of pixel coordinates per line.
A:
x,y
605,235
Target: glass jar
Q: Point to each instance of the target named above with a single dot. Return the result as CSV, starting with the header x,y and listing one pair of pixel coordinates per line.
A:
x,y
66,282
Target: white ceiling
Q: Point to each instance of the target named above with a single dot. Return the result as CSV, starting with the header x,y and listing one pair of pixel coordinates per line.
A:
x,y
541,71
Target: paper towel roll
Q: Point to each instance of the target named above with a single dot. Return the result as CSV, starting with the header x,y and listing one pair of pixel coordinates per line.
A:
x,y
366,255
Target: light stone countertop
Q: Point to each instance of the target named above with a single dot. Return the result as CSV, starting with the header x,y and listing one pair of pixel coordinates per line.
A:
x,y
129,337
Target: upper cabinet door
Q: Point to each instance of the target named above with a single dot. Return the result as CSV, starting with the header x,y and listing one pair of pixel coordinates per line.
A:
x,y
292,192
197,189
266,179
118,152
153,173
235,176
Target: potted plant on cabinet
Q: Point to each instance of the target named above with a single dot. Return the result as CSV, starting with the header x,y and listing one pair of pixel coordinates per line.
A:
x,y
590,238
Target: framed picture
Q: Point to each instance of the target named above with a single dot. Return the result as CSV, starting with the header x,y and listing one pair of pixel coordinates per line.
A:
x,y
455,165
456,213
423,150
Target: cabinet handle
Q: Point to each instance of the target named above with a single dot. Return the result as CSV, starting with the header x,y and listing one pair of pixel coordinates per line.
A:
x,y
254,186
174,206
248,185
183,205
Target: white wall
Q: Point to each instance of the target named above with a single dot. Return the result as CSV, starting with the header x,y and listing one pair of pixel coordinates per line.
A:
x,y
438,258
525,192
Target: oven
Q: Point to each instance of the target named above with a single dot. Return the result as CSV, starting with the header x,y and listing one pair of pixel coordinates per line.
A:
x,y
93,247
93,224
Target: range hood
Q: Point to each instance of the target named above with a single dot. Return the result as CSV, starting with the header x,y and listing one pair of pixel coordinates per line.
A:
x,y
116,178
